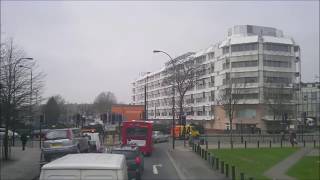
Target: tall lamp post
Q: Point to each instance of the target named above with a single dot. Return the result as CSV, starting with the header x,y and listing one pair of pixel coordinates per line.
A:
x,y
145,98
173,100
14,94
30,108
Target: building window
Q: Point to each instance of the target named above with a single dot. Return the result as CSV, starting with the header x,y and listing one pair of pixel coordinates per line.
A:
x,y
225,50
313,96
247,113
244,64
246,96
200,60
249,29
211,55
245,80
276,47
244,47
226,64
285,64
211,67
283,80
212,96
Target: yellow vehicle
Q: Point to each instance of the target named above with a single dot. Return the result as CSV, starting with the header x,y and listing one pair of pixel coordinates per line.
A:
x,y
189,130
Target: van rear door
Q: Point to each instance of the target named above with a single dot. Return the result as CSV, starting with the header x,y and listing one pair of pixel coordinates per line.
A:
x,y
53,174
99,174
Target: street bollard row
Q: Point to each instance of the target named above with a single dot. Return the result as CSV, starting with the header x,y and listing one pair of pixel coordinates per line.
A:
x,y
218,164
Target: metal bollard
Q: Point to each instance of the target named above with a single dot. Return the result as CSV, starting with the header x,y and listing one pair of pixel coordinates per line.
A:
x,y
270,143
222,167
202,154
217,163
233,173
242,176
205,155
219,144
231,144
245,144
258,144
206,145
304,143
227,170
212,161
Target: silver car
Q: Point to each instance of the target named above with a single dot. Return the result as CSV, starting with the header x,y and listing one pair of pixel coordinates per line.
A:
x,y
158,136
59,142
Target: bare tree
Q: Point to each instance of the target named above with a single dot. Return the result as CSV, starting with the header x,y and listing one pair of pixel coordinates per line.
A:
x,y
183,73
19,79
103,102
278,102
229,99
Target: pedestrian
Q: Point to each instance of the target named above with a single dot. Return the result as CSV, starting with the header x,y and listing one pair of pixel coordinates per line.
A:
x,y
292,138
294,135
24,141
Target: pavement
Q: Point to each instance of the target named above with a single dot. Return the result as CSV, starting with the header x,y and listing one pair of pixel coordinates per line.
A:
x,y
189,165
278,171
22,165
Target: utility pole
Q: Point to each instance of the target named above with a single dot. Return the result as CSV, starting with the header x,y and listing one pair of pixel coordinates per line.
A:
x,y
145,102
173,93
173,117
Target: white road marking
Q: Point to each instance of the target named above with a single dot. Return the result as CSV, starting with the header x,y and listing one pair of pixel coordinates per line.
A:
x,y
154,168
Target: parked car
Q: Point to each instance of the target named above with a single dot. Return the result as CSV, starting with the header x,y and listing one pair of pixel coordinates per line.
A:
x,y
60,142
86,166
10,133
158,136
134,158
94,142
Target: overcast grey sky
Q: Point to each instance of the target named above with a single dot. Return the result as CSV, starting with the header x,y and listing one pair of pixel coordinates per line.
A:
x,y
89,47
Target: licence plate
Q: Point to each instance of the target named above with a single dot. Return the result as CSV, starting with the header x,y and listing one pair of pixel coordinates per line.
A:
x,y
55,145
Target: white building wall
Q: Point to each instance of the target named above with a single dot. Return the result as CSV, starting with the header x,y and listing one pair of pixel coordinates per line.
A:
x,y
238,35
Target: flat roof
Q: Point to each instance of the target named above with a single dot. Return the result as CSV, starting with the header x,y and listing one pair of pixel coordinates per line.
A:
x,y
87,161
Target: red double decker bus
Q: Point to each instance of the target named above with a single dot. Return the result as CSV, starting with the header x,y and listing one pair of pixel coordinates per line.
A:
x,y
140,133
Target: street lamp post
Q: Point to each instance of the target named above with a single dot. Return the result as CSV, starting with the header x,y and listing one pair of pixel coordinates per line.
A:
x,y
14,94
30,108
173,100
145,98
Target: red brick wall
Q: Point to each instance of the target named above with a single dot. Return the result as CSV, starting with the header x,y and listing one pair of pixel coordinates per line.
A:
x,y
130,112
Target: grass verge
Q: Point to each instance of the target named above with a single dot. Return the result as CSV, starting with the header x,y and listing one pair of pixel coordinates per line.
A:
x,y
252,162
306,168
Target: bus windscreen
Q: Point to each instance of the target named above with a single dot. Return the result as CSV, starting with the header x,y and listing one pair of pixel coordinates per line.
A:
x,y
137,132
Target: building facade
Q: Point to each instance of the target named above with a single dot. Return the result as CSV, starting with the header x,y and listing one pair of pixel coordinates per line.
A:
x,y
260,61
309,104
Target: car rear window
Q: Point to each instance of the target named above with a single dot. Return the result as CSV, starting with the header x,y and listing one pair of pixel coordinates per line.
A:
x,y
127,154
57,134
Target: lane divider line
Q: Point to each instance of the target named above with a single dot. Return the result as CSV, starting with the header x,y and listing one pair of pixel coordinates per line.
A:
x,y
180,174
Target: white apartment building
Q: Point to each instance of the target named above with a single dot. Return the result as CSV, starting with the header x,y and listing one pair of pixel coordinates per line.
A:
x,y
309,104
259,59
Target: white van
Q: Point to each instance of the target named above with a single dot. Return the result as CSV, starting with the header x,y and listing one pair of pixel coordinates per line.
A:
x,y
91,166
